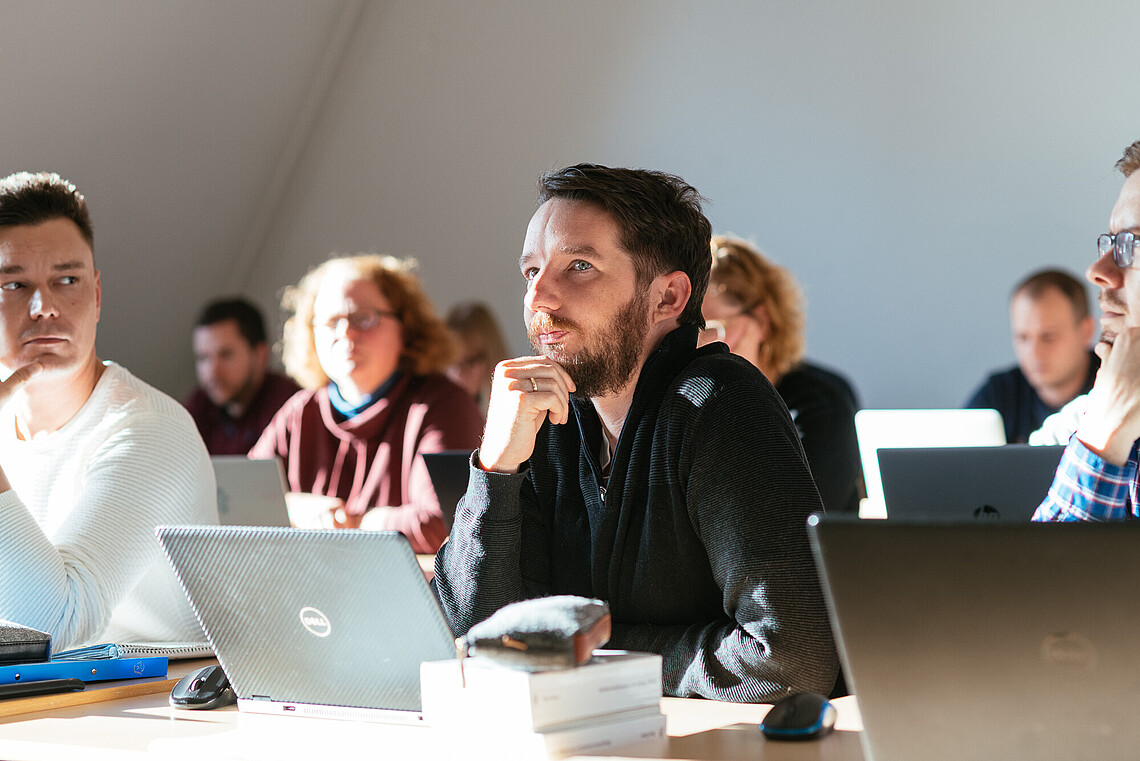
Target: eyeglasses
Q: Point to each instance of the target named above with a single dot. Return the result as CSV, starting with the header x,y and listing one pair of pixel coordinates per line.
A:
x,y
363,321
1122,245
716,329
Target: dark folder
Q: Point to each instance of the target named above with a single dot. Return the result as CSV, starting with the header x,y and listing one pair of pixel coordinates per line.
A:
x,y
22,644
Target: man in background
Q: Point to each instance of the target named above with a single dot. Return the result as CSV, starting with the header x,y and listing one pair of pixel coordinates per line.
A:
x,y
1052,329
237,394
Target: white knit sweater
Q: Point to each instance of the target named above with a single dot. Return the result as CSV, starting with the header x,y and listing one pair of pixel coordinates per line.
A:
x,y
78,556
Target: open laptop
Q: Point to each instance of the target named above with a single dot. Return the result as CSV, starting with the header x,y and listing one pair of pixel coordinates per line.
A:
x,y
449,471
876,429
967,483
987,640
310,622
250,492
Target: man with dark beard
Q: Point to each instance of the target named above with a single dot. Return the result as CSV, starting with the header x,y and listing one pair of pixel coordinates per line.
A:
x,y
623,463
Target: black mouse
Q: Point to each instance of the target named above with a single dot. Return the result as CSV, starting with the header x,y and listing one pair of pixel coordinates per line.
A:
x,y
203,689
800,716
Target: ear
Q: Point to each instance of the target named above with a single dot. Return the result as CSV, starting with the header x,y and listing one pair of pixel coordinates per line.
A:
x,y
1088,330
671,293
760,314
98,296
261,354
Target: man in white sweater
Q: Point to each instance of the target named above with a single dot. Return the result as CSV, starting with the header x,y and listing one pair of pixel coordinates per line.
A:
x,y
91,458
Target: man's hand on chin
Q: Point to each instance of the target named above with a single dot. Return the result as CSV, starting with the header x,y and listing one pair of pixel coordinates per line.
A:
x,y
19,378
524,393
1111,423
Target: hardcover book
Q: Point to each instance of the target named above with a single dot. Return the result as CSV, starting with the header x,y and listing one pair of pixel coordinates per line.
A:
x,y
491,694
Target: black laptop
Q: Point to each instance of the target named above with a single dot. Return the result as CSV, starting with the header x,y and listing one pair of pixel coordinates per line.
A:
x,y
448,471
1004,483
987,640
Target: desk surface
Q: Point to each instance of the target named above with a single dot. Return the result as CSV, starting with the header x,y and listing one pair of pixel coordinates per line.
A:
x,y
145,726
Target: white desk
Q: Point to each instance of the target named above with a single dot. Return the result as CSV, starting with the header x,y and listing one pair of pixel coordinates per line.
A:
x,y
145,727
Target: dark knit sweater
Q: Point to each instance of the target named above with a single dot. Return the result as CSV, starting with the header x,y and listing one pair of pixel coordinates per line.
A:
x,y
698,544
1022,410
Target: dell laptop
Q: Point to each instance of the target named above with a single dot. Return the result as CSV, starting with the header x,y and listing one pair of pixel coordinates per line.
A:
x,y
310,622
987,640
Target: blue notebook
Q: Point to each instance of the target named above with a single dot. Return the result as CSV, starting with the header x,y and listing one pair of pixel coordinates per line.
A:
x,y
95,670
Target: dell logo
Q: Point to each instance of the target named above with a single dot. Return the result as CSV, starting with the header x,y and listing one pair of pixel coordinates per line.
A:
x,y
987,513
315,622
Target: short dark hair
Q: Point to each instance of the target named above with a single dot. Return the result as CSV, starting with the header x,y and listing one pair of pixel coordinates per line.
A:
x,y
1130,161
32,199
248,318
659,215
1071,288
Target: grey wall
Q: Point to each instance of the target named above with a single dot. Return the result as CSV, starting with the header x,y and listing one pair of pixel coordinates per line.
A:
x,y
908,161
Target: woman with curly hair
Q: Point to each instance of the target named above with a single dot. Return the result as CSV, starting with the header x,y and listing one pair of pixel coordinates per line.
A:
x,y
756,307
369,351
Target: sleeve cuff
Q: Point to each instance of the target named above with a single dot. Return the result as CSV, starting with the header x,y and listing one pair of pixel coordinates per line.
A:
x,y
492,495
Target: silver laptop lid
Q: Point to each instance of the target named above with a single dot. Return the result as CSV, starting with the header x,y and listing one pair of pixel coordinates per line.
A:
x,y
309,618
987,640
250,492
967,483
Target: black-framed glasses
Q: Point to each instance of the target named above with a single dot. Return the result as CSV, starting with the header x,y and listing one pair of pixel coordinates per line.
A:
x,y
1123,246
364,320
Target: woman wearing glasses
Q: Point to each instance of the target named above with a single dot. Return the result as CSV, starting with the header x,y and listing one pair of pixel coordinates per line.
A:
x,y
368,350
756,308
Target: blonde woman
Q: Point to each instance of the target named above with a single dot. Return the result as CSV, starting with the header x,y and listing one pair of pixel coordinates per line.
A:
x,y
481,347
756,308
369,351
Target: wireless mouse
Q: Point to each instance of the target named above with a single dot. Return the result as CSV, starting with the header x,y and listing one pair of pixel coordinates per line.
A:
x,y
203,689
800,716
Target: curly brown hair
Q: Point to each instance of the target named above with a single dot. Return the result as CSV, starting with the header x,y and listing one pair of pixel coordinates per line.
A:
x,y
741,273
428,345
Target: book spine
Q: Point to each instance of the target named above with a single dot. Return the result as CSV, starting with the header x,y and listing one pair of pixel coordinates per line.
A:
x,y
521,700
649,728
641,727
560,696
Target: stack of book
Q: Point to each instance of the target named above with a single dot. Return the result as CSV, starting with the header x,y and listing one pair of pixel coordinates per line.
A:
x,y
613,700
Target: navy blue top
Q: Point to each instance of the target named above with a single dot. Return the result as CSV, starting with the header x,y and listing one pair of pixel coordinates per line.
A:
x,y
1021,408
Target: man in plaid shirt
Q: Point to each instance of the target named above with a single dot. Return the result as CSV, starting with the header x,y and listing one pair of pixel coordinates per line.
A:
x,y
1097,477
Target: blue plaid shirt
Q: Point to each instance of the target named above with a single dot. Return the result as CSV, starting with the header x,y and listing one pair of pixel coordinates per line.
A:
x,y
1086,488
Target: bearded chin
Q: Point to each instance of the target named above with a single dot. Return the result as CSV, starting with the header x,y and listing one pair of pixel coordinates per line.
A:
x,y
610,357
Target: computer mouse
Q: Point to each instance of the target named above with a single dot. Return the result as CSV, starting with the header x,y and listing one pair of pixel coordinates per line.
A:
x,y
203,689
799,716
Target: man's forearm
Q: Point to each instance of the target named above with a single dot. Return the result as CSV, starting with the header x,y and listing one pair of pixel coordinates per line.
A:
x,y
719,660
478,570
